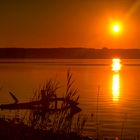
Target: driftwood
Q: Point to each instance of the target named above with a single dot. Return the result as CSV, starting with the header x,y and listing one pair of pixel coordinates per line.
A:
x,y
43,104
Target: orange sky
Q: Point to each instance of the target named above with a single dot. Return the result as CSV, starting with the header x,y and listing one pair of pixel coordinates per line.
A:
x,y
69,23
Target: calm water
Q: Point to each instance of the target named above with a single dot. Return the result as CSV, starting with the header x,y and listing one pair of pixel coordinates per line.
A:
x,y
115,112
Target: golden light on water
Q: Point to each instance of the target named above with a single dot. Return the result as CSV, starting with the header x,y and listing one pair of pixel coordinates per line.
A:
x,y
116,64
116,86
116,67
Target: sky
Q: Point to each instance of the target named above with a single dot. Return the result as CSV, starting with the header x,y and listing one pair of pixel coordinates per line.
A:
x,y
69,23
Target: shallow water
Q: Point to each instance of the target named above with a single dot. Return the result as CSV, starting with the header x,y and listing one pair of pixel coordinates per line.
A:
x,y
115,116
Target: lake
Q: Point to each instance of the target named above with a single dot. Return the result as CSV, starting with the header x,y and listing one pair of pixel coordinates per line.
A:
x,y
111,101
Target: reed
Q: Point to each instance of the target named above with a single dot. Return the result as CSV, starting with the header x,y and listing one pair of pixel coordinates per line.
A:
x,y
47,121
61,121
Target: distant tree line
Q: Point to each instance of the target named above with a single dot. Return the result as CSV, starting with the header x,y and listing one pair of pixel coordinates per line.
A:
x,y
69,53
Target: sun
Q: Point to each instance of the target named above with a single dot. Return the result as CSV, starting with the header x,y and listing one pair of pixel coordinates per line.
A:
x,y
116,28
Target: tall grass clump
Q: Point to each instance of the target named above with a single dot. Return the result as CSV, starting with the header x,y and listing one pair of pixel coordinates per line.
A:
x,y
63,121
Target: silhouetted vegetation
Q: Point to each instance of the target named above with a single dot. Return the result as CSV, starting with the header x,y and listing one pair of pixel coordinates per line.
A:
x,y
47,121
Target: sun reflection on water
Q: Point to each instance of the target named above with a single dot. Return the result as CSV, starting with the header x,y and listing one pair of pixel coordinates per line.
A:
x,y
116,86
116,64
116,67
